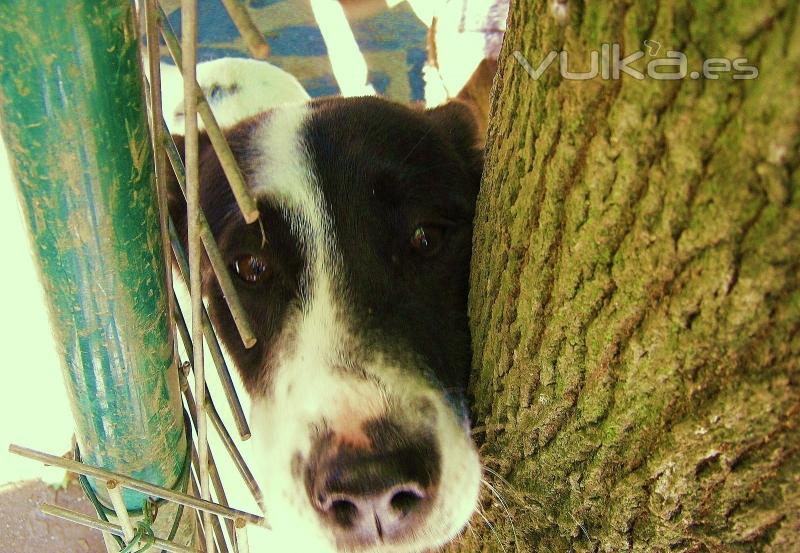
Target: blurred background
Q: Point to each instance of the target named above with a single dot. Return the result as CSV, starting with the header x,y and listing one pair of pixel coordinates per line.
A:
x,y
392,40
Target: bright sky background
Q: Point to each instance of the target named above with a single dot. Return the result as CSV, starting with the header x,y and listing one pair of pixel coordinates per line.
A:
x,y
33,408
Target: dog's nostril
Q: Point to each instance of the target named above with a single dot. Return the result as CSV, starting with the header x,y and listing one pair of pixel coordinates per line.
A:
x,y
369,516
344,512
406,500
382,493
374,515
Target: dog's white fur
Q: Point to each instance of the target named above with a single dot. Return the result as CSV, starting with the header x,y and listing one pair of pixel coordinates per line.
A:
x,y
248,87
311,381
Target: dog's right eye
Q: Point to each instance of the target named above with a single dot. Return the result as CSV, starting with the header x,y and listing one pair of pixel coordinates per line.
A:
x,y
250,268
427,239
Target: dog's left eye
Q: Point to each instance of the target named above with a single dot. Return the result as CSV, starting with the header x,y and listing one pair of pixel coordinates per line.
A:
x,y
250,268
426,239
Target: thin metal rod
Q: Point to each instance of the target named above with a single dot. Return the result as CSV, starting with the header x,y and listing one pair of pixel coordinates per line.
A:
x,y
240,317
201,535
228,523
216,481
212,467
233,451
120,511
229,166
253,38
213,346
110,543
153,88
216,533
225,436
194,488
103,526
134,484
189,72
242,544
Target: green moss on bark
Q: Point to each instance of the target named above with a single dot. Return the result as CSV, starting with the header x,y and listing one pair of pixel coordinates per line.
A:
x,y
636,288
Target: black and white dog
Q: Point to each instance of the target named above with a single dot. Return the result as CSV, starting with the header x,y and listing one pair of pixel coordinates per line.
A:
x,y
356,284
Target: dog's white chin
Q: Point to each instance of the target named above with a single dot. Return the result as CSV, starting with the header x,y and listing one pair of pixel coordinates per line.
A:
x,y
278,435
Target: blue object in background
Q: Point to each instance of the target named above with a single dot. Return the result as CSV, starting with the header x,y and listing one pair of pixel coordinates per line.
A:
x,y
393,43
321,86
415,60
389,30
305,41
214,25
255,4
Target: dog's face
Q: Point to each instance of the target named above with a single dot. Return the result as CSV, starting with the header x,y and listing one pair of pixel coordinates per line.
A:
x,y
355,282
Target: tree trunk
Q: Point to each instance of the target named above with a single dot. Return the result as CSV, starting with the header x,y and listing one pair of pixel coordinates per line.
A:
x,y
636,286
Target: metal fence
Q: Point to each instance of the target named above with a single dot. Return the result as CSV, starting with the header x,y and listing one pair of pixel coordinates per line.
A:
x,y
90,154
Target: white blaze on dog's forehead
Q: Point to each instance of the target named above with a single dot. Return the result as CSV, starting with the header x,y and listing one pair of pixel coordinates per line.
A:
x,y
320,379
320,331
287,180
307,375
286,177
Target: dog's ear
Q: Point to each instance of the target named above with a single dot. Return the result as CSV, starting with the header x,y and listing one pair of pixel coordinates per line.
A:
x,y
456,122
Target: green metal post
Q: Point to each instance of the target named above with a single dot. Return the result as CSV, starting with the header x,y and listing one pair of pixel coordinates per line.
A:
x,y
74,123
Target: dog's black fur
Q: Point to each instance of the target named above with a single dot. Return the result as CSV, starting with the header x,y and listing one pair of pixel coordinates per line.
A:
x,y
382,170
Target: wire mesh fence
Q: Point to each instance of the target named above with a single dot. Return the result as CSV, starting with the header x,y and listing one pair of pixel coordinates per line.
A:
x,y
198,496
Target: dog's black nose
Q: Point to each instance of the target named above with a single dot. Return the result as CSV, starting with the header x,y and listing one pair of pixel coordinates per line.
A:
x,y
371,517
380,492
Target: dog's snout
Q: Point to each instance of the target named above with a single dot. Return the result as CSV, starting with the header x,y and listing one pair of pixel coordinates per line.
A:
x,y
373,516
374,494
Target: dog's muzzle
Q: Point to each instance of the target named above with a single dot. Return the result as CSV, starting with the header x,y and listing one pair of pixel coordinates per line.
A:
x,y
378,488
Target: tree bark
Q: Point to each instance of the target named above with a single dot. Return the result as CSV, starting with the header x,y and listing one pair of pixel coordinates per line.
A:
x,y
635,298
